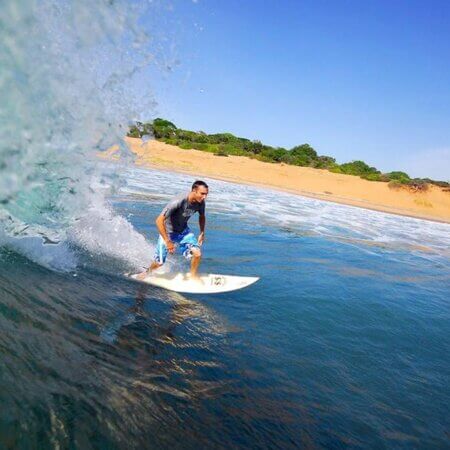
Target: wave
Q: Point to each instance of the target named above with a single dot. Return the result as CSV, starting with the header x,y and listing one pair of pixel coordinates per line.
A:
x,y
67,88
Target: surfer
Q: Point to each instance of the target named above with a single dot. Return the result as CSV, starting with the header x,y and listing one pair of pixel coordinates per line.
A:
x,y
173,228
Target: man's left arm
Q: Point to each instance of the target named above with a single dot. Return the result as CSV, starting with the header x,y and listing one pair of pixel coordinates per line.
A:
x,y
201,223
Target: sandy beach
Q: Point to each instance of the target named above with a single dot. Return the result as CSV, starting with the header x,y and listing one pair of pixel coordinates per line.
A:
x,y
434,204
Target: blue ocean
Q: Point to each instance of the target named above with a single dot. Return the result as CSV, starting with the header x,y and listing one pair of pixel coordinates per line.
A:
x,y
343,343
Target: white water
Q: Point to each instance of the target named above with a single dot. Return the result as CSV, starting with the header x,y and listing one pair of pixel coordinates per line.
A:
x,y
67,89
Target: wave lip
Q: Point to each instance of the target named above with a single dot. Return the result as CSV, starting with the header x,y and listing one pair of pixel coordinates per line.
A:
x,y
68,89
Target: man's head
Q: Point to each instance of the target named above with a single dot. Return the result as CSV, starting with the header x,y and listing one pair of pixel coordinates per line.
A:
x,y
199,191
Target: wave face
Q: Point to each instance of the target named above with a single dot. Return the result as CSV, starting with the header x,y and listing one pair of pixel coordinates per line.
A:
x,y
67,91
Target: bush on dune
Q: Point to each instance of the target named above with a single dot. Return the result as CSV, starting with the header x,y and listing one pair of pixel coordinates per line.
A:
x,y
134,132
372,177
442,184
402,177
275,154
358,168
200,146
221,152
324,162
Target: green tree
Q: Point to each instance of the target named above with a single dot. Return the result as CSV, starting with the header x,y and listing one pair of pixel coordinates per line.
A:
x,y
357,168
275,154
304,150
163,123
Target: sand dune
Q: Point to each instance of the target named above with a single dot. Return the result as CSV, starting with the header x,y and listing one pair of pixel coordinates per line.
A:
x,y
434,204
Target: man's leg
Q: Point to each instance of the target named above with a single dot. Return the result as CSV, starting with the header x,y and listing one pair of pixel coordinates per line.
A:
x,y
154,265
159,258
191,250
195,262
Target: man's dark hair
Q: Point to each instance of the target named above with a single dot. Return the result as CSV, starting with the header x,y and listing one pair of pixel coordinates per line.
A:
x,y
198,183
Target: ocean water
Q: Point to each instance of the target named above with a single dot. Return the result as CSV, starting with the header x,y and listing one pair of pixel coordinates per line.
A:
x,y
343,343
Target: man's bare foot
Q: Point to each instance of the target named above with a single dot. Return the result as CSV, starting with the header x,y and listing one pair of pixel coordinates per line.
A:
x,y
195,277
143,275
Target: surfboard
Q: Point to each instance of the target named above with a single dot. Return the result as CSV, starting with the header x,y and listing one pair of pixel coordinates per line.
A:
x,y
206,283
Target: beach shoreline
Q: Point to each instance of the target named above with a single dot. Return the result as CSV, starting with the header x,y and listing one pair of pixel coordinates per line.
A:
x,y
319,184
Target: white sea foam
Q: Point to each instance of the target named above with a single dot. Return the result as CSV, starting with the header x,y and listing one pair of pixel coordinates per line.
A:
x,y
301,214
101,232
53,256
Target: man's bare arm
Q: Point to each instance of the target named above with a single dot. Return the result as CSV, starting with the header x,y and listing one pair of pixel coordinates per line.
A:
x,y
202,224
161,225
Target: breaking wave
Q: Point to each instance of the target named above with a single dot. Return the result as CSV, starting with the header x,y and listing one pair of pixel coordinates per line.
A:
x,y
68,90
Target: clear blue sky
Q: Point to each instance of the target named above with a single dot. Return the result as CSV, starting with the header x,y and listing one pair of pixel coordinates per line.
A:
x,y
363,80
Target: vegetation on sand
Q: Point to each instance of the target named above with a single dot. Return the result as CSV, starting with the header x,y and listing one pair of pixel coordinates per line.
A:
x,y
224,144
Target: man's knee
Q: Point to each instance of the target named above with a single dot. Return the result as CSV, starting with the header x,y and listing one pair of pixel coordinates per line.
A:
x,y
196,252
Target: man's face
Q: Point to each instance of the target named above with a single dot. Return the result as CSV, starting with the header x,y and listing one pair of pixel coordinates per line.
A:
x,y
200,193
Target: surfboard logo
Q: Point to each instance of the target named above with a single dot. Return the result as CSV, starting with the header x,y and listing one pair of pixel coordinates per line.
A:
x,y
217,281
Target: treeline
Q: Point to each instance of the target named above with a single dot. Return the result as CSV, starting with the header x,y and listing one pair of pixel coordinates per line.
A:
x,y
224,144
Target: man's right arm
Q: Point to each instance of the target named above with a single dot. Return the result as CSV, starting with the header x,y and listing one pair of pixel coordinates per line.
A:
x,y
166,213
161,225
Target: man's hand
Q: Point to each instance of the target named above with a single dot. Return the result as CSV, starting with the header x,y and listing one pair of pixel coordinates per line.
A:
x,y
170,246
201,238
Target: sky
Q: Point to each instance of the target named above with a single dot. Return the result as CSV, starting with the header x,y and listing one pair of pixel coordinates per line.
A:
x,y
366,80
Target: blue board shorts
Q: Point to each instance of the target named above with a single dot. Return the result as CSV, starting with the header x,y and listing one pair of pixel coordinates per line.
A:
x,y
184,240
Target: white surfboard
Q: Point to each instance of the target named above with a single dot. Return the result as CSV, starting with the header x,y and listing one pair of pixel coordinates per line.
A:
x,y
206,284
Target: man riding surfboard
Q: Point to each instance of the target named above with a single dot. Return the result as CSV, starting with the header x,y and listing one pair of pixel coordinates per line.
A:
x,y
173,229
